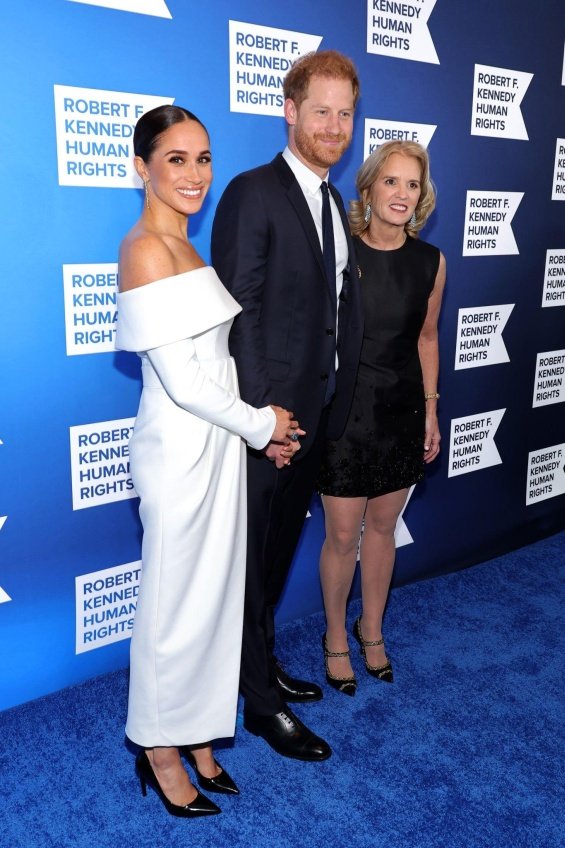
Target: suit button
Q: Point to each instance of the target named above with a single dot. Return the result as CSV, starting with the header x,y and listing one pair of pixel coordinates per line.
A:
x,y
323,376
330,331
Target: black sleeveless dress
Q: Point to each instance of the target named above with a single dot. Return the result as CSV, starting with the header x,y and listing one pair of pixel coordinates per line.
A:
x,y
382,447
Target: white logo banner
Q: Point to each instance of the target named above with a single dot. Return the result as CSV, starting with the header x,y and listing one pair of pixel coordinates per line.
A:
x,y
105,605
554,279
156,8
549,385
400,29
546,474
90,307
479,336
497,95
558,192
260,57
95,135
100,471
488,216
472,444
402,535
4,597
377,132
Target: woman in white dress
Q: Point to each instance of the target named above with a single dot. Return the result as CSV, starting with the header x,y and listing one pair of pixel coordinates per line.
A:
x,y
187,462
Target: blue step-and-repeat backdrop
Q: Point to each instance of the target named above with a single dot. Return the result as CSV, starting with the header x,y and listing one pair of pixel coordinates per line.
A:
x,y
481,84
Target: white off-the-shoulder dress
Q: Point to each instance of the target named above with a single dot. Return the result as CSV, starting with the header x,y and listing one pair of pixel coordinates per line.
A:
x,y
188,467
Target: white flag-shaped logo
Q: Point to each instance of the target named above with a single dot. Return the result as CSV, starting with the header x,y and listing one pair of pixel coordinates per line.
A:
x,y
558,192
95,131
479,336
488,219
401,30
472,444
3,595
260,57
378,132
497,95
546,473
156,8
402,535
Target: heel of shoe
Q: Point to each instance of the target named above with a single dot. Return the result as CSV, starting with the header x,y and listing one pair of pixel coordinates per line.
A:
x,y
356,631
381,672
139,770
346,685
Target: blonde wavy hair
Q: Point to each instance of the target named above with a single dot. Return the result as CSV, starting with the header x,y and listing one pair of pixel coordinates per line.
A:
x,y
370,171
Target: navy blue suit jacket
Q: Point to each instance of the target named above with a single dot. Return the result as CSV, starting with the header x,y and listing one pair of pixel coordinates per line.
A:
x,y
266,251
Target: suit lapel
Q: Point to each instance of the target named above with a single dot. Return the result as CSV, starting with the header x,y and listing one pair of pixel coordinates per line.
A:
x,y
298,201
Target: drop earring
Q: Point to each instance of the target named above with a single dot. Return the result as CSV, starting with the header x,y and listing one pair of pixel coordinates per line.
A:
x,y
413,219
368,213
146,183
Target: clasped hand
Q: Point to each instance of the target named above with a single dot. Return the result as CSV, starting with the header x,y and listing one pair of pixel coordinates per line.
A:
x,y
284,441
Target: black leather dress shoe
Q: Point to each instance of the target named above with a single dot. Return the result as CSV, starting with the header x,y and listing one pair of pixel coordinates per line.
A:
x,y
293,690
287,735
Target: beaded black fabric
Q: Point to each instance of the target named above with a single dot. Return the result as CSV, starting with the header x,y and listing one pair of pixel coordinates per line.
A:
x,y
382,447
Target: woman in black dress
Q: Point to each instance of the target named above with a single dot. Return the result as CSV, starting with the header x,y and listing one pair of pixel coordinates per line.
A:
x,y
392,428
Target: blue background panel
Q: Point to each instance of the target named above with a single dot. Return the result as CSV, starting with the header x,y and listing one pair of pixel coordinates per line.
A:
x,y
454,521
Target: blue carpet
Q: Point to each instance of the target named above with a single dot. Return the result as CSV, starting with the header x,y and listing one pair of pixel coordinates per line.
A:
x,y
464,750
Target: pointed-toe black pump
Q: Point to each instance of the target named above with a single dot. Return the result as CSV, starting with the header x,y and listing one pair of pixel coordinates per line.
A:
x,y
201,806
222,783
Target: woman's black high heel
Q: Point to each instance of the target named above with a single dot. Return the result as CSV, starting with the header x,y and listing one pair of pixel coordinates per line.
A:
x,y
221,783
381,672
201,806
347,685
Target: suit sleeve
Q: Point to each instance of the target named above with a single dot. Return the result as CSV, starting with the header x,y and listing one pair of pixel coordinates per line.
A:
x,y
240,248
192,389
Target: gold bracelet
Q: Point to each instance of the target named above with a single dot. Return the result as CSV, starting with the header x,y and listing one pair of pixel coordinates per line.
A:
x,y
431,396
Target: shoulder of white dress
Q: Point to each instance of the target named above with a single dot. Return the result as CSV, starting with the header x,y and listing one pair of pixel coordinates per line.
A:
x,y
171,309
189,277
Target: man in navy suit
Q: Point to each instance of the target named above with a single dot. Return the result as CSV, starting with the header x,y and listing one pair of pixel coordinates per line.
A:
x,y
281,246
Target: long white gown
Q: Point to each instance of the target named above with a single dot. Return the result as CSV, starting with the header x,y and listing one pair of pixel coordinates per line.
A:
x,y
188,468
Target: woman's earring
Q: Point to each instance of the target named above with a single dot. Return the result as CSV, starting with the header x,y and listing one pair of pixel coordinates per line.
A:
x,y
413,219
145,183
367,215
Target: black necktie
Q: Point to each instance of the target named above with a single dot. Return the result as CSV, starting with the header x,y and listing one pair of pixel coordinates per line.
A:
x,y
328,250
